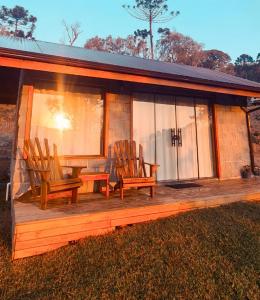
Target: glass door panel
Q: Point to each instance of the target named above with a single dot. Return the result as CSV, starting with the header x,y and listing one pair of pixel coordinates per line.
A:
x,y
144,125
166,154
187,152
204,136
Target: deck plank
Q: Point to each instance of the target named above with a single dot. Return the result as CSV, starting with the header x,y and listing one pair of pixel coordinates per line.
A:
x,y
61,238
37,231
37,250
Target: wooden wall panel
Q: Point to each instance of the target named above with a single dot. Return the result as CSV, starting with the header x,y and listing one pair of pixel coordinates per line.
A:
x,y
232,139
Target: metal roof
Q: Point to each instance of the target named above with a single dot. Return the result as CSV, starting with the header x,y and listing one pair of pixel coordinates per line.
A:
x,y
32,49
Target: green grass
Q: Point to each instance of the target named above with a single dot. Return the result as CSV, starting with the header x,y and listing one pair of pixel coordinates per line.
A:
x,y
205,254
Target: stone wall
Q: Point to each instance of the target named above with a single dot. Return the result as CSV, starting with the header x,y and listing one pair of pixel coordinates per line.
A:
x,y
232,139
119,117
7,123
255,134
20,181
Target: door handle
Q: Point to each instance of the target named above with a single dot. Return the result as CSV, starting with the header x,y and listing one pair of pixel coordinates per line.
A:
x,y
174,137
179,137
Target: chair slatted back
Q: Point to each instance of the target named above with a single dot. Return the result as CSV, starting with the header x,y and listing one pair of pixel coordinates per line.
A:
x,y
126,162
38,159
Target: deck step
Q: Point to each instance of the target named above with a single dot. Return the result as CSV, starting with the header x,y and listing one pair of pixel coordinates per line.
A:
x,y
33,237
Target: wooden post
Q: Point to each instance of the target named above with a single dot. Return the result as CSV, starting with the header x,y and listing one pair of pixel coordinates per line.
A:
x,y
106,125
29,113
251,150
216,141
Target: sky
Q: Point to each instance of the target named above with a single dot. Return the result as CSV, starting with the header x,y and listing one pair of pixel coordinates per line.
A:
x,y
232,26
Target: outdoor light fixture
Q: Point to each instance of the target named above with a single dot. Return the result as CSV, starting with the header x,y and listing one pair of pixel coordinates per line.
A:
x,y
254,101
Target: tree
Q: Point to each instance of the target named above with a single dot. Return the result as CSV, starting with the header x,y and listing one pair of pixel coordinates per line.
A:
x,y
178,48
17,21
258,58
95,43
72,33
150,11
131,45
217,60
244,59
4,31
246,67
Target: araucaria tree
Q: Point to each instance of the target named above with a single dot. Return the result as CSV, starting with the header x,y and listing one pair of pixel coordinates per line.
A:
x,y
150,11
17,21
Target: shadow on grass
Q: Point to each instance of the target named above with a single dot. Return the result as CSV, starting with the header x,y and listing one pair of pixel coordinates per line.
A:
x,y
205,254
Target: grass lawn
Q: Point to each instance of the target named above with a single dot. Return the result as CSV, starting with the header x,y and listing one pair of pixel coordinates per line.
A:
x,y
205,254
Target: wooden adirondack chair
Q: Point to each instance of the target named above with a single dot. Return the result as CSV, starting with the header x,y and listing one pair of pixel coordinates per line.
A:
x,y
45,172
130,170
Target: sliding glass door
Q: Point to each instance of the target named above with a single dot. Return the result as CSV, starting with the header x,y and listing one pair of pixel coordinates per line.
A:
x,y
176,132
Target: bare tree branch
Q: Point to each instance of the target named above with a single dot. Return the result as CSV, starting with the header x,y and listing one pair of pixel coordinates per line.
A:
x,y
72,32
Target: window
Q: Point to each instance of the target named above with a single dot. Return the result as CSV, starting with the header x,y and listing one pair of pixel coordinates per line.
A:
x,y
72,120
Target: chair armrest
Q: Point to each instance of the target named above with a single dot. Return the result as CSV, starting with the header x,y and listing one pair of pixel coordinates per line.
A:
x,y
153,168
45,174
149,164
76,170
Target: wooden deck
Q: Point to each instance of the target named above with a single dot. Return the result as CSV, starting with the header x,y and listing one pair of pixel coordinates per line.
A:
x,y
37,231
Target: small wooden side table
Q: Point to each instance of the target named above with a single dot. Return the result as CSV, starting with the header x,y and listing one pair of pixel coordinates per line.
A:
x,y
97,176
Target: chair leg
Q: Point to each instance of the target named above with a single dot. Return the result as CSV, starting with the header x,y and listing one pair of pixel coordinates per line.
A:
x,y
121,193
74,196
44,195
117,186
152,191
107,189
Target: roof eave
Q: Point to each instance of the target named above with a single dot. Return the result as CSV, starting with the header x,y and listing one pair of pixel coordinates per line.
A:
x,y
18,54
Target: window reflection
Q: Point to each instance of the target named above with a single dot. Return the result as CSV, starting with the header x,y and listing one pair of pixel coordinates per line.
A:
x,y
73,121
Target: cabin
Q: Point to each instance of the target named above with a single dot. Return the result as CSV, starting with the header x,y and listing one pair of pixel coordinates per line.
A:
x,y
190,121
